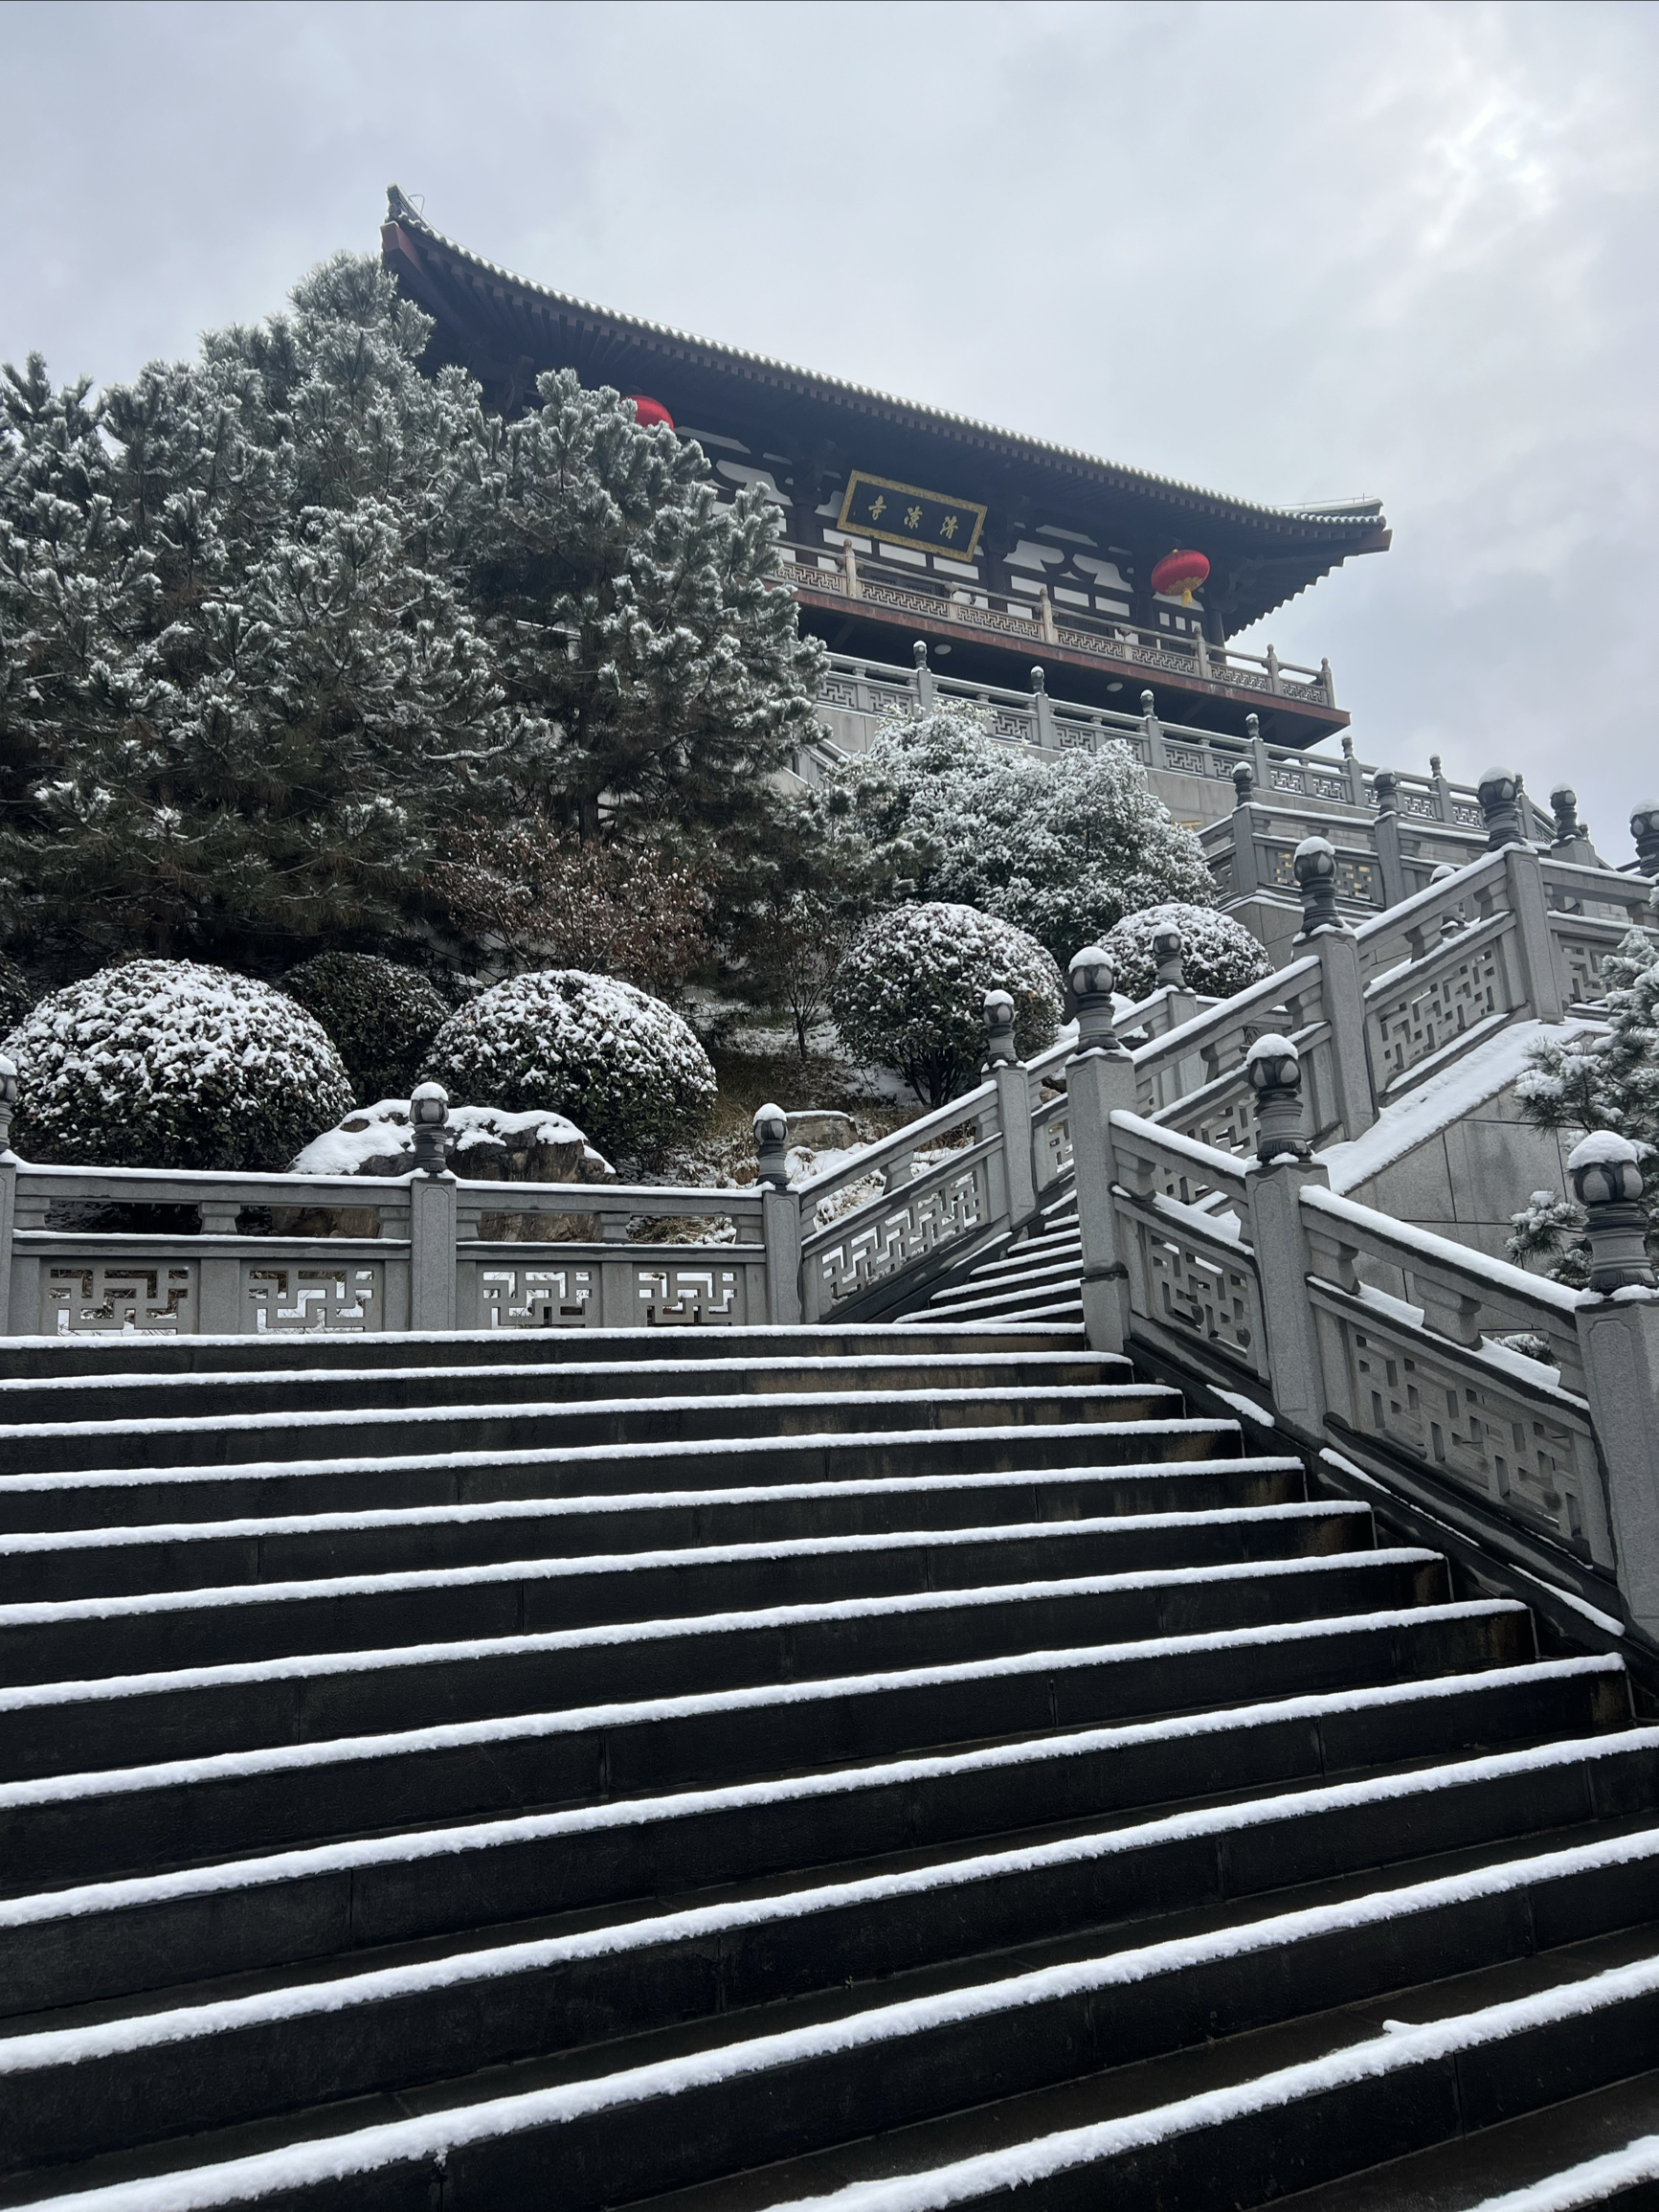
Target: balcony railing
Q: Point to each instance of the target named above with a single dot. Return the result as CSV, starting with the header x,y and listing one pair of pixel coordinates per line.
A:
x,y
885,585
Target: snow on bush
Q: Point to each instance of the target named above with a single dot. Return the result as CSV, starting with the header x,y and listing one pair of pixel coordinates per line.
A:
x,y
168,1064
16,995
381,1017
620,1063
909,994
1219,955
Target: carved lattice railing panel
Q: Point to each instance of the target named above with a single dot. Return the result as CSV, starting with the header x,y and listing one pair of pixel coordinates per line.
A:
x,y
103,1297
951,1204
1465,986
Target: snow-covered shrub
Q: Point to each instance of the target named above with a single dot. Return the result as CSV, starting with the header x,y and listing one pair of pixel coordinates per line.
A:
x,y
1219,955
168,1064
617,1062
911,993
16,995
1063,848
381,1017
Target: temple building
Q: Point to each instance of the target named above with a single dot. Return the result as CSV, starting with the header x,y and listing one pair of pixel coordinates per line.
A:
x,y
908,527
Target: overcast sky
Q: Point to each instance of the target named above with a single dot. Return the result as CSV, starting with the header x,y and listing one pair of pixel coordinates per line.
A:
x,y
1283,251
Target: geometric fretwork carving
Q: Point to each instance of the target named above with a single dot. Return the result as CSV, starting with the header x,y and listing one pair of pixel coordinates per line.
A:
x,y
97,1298
291,1300
945,1212
540,1298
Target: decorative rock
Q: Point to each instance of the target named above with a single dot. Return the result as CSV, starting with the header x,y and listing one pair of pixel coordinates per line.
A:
x,y
1499,795
771,1147
1090,977
1274,1069
1607,1184
1315,867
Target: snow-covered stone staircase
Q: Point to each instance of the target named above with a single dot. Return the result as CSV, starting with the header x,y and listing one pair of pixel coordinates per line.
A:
x,y
745,1768
1039,1277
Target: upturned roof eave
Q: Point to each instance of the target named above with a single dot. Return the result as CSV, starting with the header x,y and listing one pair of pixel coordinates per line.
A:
x,y
1352,532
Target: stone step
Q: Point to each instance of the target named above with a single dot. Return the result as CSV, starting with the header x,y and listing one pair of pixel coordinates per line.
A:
x,y
524,1594
1045,1273
809,2075
121,1498
65,1820
1060,1295
1207,1510
359,1900
204,1677
47,1359
64,1447
290,1390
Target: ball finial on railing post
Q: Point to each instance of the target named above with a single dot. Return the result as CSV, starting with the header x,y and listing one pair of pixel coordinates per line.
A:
x,y
1644,830
771,1147
1499,795
1090,977
1564,806
1166,951
1244,783
1607,1184
1000,1050
1274,1069
1385,791
1313,865
428,1122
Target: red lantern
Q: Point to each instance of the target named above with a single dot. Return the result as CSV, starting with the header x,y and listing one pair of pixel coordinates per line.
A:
x,y
1181,571
653,410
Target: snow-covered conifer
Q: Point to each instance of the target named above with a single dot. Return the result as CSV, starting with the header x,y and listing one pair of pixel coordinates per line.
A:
x,y
1063,850
380,1018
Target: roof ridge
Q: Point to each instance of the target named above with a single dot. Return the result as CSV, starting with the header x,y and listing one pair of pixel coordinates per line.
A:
x,y
402,212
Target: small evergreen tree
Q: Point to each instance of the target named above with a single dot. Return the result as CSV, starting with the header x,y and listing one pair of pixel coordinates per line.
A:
x,y
1590,1083
380,1018
1064,850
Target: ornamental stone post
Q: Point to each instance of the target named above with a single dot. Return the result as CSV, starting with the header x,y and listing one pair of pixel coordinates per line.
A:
x,y
1644,830
1041,709
1499,795
780,1217
1166,952
1385,832
1451,921
924,675
1246,876
1282,1170
1342,994
1261,762
1100,1081
1153,730
1012,1106
1618,1321
8,1187
1353,771
431,1196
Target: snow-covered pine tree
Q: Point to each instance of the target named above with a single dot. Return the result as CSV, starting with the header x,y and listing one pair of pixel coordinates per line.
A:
x,y
1596,1082
1063,851
642,619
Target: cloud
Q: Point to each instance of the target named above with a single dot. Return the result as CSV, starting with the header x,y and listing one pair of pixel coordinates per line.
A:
x,y
1284,251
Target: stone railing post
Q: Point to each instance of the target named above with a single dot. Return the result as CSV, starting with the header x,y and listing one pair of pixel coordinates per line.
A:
x,y
1499,794
1166,952
1353,771
1385,835
1247,875
923,679
780,1227
1644,830
1012,1107
1619,1337
1041,709
432,1195
8,1187
1153,730
1441,788
1327,936
1530,904
1099,1082
1261,760
1282,1169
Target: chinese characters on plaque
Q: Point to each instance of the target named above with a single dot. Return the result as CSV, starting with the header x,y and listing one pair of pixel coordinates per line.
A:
x,y
907,515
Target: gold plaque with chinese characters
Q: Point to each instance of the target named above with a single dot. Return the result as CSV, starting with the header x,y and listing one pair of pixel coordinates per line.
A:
x,y
908,515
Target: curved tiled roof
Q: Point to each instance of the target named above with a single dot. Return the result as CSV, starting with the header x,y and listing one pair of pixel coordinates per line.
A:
x,y
1347,519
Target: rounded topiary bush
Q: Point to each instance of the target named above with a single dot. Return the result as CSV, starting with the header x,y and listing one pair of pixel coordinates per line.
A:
x,y
381,1018
620,1063
1219,955
168,1064
909,994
